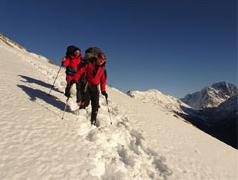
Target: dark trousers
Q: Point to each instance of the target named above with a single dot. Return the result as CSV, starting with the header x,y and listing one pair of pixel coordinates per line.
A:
x,y
92,94
79,90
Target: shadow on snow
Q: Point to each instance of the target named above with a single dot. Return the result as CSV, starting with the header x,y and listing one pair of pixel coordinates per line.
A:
x,y
35,94
39,82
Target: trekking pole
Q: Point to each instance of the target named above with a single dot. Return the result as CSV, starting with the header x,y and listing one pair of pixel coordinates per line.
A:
x,y
66,103
108,110
55,80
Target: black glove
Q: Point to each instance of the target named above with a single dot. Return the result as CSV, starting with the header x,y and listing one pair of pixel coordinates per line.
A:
x,y
72,82
104,93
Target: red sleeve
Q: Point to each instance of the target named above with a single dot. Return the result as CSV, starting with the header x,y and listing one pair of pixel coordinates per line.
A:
x,y
103,81
79,73
66,62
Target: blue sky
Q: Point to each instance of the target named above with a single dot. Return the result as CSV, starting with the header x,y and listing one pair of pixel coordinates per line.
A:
x,y
175,46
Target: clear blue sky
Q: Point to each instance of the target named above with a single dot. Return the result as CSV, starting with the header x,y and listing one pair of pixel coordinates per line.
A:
x,y
176,46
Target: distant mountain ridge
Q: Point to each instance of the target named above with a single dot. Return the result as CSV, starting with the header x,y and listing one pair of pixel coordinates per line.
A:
x,y
220,122
211,96
214,109
156,97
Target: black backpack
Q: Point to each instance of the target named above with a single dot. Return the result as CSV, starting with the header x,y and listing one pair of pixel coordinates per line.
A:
x,y
70,50
92,53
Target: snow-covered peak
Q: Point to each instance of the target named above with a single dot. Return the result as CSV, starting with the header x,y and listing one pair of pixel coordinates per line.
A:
x,y
211,96
156,97
151,94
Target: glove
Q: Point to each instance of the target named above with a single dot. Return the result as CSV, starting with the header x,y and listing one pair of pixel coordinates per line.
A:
x,y
104,93
72,82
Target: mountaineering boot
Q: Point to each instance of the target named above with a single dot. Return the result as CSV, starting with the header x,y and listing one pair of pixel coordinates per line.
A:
x,y
94,119
81,104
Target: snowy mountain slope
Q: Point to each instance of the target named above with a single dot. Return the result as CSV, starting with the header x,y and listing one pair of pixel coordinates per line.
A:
x,y
158,98
11,43
220,122
211,96
143,142
37,144
190,153
229,105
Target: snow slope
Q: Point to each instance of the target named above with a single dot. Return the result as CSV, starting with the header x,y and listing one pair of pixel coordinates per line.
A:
x,y
143,142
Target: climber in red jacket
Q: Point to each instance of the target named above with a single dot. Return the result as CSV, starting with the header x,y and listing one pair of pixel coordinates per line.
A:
x,y
95,74
71,61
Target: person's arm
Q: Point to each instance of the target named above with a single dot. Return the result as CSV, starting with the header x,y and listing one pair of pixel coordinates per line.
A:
x,y
79,73
65,62
103,83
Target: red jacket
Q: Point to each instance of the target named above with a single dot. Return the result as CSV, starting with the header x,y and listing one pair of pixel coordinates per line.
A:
x,y
73,62
100,76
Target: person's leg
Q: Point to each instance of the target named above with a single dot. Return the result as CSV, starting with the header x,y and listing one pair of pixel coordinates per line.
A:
x,y
67,90
94,104
83,85
78,92
68,86
85,98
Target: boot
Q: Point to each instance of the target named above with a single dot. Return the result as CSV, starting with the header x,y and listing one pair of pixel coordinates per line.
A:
x,y
94,118
81,105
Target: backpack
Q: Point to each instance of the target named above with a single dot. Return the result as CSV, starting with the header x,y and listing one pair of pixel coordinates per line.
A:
x,y
92,53
70,50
